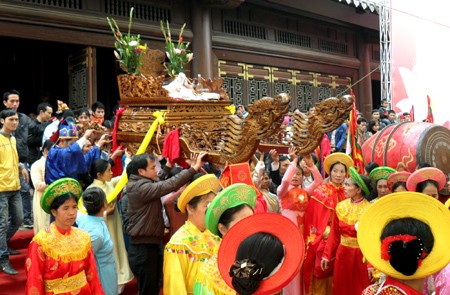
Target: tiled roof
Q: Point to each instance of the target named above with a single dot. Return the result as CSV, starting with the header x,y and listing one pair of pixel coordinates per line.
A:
x,y
372,5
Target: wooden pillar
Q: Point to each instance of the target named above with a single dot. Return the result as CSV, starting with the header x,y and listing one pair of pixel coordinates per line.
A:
x,y
364,98
202,43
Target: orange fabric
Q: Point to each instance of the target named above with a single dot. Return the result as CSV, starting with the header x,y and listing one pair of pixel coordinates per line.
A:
x,y
236,173
322,286
97,120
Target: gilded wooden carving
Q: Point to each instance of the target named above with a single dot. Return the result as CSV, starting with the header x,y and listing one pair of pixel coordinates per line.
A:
x,y
131,86
207,126
213,85
99,129
235,140
310,128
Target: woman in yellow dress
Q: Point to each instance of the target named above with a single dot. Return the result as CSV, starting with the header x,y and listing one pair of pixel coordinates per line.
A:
x,y
193,244
101,172
231,205
350,271
405,235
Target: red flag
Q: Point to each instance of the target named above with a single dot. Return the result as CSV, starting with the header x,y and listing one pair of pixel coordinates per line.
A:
x,y
430,118
353,147
411,114
322,151
117,169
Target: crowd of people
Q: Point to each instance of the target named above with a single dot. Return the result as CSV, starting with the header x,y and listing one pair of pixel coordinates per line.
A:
x,y
380,118
287,224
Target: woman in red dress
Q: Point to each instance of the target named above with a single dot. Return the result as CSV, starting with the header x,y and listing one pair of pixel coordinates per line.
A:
x,y
405,236
294,201
293,197
60,259
318,217
350,275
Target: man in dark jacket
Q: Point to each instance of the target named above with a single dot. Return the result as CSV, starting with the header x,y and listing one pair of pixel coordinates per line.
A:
x,y
277,169
36,130
145,218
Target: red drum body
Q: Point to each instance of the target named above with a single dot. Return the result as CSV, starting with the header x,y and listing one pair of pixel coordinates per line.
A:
x,y
402,146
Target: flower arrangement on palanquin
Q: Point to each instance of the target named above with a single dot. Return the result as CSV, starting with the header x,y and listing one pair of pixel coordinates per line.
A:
x,y
146,69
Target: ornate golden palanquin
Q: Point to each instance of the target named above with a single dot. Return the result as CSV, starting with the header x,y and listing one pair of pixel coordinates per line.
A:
x,y
208,125
204,125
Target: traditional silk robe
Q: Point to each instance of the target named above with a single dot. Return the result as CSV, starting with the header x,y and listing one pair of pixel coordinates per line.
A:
x,y
209,281
350,273
318,217
285,185
69,161
390,287
62,262
114,224
103,249
188,249
41,219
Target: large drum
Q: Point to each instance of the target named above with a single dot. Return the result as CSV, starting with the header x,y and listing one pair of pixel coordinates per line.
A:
x,y
402,146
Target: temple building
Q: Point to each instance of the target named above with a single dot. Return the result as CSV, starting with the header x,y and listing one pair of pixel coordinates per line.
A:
x,y
63,49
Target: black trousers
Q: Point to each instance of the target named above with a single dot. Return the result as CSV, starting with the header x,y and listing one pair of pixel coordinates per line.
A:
x,y
146,264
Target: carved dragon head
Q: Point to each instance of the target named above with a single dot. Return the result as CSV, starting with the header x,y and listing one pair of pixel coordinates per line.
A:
x,y
332,112
267,114
329,115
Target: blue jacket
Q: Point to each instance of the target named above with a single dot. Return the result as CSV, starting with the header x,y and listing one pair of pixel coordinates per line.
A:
x,y
340,136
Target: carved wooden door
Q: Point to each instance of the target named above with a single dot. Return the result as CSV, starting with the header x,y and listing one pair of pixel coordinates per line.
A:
x,y
82,78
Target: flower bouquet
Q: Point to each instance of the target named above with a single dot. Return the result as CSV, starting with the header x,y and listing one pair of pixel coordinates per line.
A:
x,y
128,47
178,55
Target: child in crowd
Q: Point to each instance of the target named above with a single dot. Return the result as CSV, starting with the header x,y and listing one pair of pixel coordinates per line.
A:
x,y
98,112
